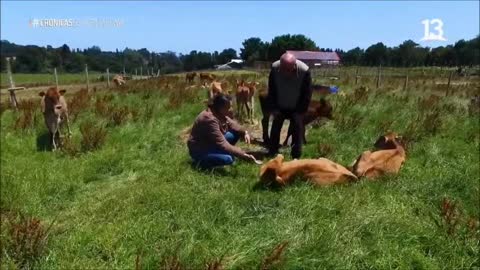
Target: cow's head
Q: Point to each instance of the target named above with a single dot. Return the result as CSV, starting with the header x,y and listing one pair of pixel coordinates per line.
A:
x,y
388,141
240,83
325,109
268,172
51,100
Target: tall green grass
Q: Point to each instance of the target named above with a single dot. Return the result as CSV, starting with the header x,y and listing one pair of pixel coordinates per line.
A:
x,y
136,200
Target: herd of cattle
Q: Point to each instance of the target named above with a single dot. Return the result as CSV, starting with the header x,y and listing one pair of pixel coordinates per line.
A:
x,y
387,157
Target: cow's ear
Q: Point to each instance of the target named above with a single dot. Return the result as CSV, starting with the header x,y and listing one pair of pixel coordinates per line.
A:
x,y
41,94
380,143
62,92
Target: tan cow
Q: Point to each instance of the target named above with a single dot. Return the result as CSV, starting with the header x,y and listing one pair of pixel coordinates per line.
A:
x,y
316,109
207,77
388,158
55,111
118,80
189,77
317,171
244,96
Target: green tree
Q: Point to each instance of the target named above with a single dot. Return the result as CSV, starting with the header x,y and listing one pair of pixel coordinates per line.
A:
x,y
280,44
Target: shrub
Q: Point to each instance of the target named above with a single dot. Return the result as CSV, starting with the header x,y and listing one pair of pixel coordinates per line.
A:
x,y
27,118
26,239
93,137
78,103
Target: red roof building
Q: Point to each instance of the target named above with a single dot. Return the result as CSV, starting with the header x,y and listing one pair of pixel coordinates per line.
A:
x,y
316,58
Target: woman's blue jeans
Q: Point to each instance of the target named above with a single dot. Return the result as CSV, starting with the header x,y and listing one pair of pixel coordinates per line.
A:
x,y
216,157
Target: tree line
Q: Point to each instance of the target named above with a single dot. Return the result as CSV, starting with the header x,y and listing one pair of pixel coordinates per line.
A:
x,y
36,59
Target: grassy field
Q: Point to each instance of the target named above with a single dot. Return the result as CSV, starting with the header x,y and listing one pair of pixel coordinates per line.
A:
x,y
41,79
123,195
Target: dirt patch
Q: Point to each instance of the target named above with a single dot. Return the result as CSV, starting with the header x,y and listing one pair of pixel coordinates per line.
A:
x,y
254,129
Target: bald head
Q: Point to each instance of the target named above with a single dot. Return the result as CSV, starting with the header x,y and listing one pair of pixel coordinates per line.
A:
x,y
288,63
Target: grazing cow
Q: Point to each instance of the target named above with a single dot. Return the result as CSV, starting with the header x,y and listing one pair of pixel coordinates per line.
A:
x,y
213,89
118,80
244,96
207,77
190,76
317,171
316,109
387,158
54,109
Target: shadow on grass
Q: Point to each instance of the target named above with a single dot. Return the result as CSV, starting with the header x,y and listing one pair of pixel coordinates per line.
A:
x,y
217,171
260,186
43,142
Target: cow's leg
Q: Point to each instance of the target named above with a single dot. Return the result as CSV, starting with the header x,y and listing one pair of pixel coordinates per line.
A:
x,y
52,136
249,115
253,106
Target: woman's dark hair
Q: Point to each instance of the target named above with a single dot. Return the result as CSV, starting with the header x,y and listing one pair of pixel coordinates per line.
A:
x,y
220,101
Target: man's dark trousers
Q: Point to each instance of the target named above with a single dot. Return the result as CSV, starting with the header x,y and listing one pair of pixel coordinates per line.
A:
x,y
296,120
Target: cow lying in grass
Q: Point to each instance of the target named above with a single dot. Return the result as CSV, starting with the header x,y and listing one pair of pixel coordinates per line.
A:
x,y
387,158
55,111
317,171
316,109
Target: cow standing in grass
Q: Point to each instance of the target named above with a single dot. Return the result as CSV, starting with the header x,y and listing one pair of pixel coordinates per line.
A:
x,y
244,96
55,111
189,77
119,80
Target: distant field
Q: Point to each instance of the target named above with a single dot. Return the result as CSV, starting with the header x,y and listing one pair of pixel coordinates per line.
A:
x,y
40,79
33,80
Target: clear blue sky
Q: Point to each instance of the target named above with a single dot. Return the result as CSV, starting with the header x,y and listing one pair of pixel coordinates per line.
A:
x,y
208,26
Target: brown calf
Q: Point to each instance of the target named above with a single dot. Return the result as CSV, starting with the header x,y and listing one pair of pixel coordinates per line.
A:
x,y
317,171
54,109
387,158
118,80
244,96
316,109
189,77
207,77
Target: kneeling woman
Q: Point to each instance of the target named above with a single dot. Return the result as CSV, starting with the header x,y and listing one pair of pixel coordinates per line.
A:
x,y
214,135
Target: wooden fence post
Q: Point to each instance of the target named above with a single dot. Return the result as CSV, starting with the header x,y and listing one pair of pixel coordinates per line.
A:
x,y
158,72
86,75
379,71
448,84
13,97
405,85
136,74
356,76
9,71
56,76
141,71
124,71
108,78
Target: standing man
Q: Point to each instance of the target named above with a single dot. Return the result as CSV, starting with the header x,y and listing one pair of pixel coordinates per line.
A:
x,y
289,94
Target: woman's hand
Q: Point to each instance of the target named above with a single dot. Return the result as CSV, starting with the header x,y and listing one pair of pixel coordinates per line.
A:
x,y
247,137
